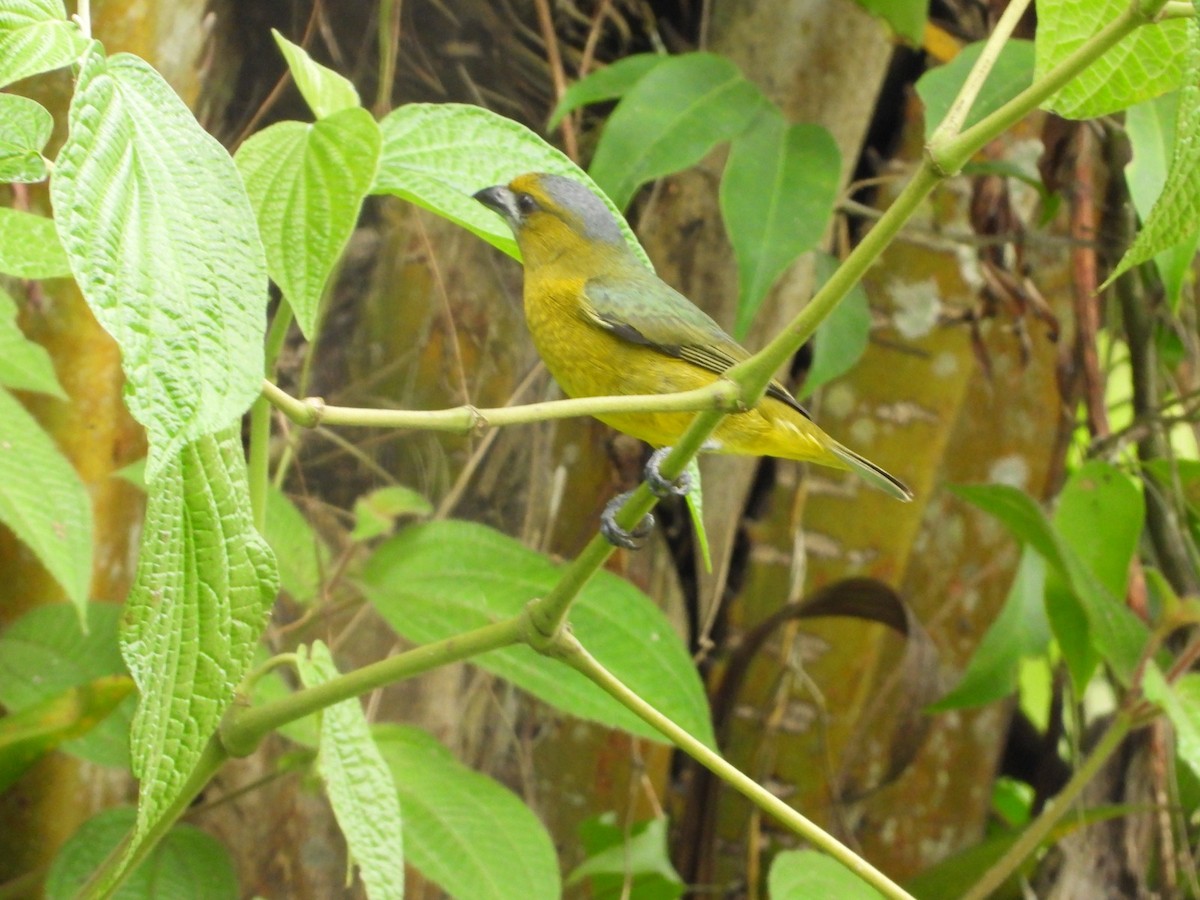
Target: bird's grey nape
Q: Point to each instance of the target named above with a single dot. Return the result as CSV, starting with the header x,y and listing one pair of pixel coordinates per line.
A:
x,y
597,219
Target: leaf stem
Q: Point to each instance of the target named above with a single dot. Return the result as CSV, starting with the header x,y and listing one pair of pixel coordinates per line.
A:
x,y
260,419
570,651
953,122
1038,830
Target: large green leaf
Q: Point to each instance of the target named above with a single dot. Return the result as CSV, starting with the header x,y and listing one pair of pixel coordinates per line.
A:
x,y
162,240
1151,130
25,126
1149,62
35,37
464,831
608,83
807,873
1175,217
440,579
777,196
1116,632
307,183
1020,630
204,584
1011,74
24,364
325,91
43,501
358,782
437,155
186,865
302,555
29,246
621,858
670,120
46,652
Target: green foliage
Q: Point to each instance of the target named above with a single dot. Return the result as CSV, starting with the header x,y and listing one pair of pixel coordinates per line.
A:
x,y
777,195
46,653
806,873
186,864
670,119
1149,62
302,555
1151,130
375,514
461,829
29,246
24,365
623,859
307,184
165,252
906,17
35,37
325,91
842,338
609,83
1175,217
1011,74
25,126
188,656
359,784
436,580
43,500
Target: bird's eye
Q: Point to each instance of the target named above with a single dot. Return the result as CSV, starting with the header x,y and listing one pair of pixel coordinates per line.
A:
x,y
526,204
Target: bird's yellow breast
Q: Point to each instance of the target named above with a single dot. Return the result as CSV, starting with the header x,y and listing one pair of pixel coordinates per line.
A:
x,y
587,360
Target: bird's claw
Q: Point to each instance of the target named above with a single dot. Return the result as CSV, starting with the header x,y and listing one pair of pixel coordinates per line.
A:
x,y
618,536
659,485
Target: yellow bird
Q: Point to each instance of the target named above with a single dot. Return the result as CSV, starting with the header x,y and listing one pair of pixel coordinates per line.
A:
x,y
606,325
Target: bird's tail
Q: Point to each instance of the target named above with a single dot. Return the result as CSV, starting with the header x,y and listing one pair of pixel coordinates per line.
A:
x,y
871,473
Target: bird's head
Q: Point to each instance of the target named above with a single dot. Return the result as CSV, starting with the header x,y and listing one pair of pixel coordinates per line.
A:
x,y
552,216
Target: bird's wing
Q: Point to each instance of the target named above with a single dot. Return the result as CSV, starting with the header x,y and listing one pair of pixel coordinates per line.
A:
x,y
643,309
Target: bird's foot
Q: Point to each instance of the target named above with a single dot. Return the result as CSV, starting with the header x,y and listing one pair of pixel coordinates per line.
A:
x,y
659,485
615,534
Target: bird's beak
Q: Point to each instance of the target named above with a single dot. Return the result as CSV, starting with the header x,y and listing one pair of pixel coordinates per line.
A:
x,y
500,200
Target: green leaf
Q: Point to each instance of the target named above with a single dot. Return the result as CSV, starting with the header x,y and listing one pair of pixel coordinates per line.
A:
x,y
906,17
376,513
1011,74
45,652
1149,62
24,364
43,501
695,505
306,184
777,196
1175,217
634,859
807,873
670,120
1181,702
358,782
186,864
440,579
25,126
1151,130
205,582
464,831
1019,631
437,155
28,734
842,338
608,83
325,91
302,556
35,37
1117,633
162,240
29,246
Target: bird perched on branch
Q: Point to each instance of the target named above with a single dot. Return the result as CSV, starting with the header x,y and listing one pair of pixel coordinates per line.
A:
x,y
606,325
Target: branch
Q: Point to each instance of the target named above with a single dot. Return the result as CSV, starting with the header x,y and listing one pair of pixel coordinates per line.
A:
x,y
311,412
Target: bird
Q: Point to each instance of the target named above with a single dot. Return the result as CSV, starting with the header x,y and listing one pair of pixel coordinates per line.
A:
x,y
606,325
